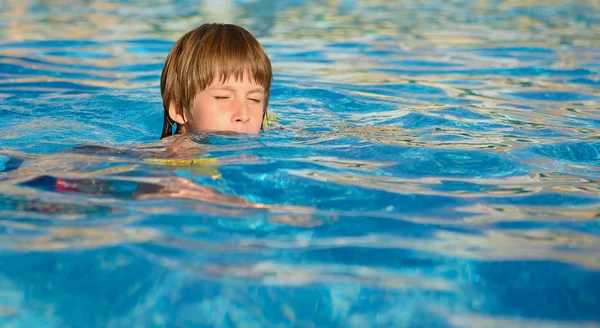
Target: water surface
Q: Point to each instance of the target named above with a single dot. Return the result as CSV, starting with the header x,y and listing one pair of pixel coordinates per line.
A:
x,y
435,164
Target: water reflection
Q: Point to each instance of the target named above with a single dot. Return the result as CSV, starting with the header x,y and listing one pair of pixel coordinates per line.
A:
x,y
436,164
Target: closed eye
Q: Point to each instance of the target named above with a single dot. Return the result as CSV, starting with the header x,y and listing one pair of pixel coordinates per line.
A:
x,y
257,101
221,98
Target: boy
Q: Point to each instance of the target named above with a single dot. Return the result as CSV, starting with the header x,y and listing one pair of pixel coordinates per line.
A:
x,y
217,77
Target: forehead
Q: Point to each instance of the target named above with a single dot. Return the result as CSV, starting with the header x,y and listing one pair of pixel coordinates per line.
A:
x,y
233,79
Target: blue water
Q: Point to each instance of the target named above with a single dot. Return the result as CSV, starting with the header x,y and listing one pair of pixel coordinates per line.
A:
x,y
435,164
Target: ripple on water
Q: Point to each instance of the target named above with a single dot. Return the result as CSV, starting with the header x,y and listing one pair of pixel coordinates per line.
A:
x,y
36,44
3,161
483,72
76,54
335,100
31,88
420,121
585,153
305,56
426,64
402,89
519,50
24,70
454,163
461,113
26,63
590,82
554,96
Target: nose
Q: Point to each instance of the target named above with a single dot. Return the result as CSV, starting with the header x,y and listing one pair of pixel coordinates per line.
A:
x,y
241,113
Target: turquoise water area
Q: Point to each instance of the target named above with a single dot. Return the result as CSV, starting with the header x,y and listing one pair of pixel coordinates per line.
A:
x,y
436,164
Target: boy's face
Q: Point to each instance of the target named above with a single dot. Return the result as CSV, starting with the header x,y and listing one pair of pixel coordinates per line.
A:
x,y
232,106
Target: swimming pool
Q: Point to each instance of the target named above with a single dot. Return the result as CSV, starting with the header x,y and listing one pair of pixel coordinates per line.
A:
x,y
435,164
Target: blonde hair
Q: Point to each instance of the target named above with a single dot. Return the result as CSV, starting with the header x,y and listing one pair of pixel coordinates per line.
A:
x,y
199,55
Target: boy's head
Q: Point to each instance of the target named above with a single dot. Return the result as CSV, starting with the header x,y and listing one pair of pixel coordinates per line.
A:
x,y
216,78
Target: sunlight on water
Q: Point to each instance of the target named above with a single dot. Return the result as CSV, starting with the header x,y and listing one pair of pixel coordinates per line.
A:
x,y
433,164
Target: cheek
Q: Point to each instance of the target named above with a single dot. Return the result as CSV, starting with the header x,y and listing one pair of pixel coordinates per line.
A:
x,y
257,115
257,122
204,112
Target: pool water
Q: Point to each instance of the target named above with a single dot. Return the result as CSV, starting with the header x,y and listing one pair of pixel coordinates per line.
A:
x,y
434,164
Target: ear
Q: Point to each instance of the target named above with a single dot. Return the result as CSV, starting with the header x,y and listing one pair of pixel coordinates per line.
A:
x,y
175,115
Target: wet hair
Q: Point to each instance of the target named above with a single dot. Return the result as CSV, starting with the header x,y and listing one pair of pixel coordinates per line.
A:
x,y
200,55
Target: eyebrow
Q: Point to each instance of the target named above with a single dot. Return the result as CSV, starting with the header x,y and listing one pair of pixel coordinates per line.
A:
x,y
257,90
